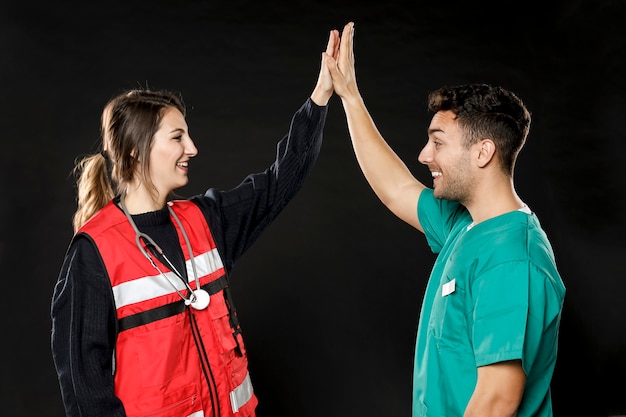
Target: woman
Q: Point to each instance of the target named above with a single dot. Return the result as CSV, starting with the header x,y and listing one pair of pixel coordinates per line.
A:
x,y
142,318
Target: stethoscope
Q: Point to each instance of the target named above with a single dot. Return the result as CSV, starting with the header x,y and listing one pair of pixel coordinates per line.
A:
x,y
198,298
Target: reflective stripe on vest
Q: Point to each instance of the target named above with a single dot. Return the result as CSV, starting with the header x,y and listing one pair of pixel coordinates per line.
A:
x,y
241,394
152,286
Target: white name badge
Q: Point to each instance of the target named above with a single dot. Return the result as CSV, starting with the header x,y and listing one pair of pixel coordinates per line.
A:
x,y
448,288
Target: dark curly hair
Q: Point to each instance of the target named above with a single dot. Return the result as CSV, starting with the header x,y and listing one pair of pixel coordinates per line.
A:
x,y
485,111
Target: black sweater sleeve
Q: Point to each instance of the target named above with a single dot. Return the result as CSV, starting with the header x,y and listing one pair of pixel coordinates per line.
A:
x,y
83,334
237,217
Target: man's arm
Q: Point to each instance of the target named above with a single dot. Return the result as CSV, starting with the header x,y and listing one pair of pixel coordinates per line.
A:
x,y
386,173
498,391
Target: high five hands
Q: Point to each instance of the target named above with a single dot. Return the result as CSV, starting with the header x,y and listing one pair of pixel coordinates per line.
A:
x,y
337,68
341,65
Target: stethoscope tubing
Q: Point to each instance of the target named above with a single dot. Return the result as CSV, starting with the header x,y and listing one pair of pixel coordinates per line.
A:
x,y
197,298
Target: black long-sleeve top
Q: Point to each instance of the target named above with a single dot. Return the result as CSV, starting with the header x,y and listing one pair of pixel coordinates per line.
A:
x,y
82,309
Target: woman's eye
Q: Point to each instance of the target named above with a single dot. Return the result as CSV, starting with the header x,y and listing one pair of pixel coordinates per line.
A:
x,y
178,138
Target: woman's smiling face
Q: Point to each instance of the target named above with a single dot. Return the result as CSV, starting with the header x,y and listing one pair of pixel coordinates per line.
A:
x,y
171,150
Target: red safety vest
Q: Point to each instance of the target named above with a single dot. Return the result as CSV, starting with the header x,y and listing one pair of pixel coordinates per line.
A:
x,y
170,359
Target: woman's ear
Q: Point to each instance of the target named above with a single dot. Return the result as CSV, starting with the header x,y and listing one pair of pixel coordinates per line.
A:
x,y
486,152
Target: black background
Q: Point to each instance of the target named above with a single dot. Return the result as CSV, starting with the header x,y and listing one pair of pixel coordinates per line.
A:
x,y
329,296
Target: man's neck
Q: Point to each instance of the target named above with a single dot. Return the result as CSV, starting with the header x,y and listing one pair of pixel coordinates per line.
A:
x,y
493,200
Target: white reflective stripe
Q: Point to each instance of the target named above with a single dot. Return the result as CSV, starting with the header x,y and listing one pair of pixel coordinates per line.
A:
x,y
197,414
206,264
152,286
145,288
241,395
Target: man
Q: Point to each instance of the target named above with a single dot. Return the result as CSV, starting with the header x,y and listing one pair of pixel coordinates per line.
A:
x,y
488,328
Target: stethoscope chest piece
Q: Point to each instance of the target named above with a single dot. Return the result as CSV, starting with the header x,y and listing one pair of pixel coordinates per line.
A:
x,y
200,299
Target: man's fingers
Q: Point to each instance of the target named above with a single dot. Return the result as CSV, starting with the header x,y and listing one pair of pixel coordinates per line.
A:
x,y
345,50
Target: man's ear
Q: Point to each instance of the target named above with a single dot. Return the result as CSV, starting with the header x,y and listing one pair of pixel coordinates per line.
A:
x,y
486,152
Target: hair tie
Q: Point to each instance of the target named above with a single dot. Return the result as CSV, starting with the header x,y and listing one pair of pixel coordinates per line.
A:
x,y
108,165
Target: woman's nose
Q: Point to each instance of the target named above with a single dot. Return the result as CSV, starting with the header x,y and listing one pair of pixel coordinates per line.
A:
x,y
190,148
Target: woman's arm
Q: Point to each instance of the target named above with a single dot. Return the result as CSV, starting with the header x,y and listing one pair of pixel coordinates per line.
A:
x,y
238,216
83,334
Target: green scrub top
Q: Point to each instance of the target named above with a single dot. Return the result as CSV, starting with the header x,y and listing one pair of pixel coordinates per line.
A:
x,y
494,294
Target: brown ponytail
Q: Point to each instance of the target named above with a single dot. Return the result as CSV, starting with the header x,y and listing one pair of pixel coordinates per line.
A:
x,y
93,187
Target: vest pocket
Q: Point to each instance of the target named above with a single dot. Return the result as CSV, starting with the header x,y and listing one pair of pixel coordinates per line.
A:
x,y
221,322
236,362
181,403
160,352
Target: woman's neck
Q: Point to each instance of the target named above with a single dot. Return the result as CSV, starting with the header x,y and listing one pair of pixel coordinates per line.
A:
x,y
139,200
